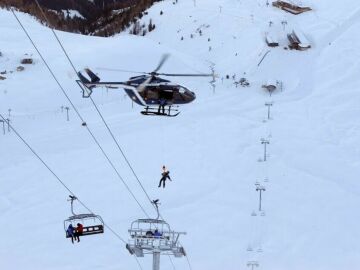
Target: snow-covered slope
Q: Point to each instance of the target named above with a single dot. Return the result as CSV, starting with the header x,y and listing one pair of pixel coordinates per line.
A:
x,y
212,148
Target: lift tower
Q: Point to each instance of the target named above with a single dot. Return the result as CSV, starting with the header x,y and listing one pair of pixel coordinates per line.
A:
x,y
154,236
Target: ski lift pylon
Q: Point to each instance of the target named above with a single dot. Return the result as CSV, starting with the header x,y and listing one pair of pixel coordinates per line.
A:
x,y
92,223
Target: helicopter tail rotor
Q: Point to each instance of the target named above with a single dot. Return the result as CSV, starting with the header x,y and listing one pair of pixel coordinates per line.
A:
x,y
86,82
94,78
82,78
88,77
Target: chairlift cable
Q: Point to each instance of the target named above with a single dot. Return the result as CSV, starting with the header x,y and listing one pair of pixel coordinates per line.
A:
x,y
42,161
56,176
64,185
186,256
100,114
188,261
49,25
138,263
172,263
96,107
90,132
79,115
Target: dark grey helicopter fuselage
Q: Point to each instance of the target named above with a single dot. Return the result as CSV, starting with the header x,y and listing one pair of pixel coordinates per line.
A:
x,y
159,91
145,90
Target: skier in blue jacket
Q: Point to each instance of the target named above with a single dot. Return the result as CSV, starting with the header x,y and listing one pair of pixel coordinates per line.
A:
x,y
70,232
157,234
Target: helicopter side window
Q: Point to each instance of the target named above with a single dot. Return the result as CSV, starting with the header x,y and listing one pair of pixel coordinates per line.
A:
x,y
166,95
151,93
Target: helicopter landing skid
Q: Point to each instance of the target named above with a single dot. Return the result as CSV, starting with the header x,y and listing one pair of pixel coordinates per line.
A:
x,y
169,112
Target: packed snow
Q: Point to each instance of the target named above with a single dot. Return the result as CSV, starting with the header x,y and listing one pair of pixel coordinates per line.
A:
x,y
72,13
212,149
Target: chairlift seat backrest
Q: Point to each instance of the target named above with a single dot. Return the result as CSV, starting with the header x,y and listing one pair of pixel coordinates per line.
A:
x,y
90,230
149,235
96,225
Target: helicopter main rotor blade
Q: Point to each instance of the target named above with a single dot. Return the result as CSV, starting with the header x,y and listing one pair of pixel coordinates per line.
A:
x,y
122,70
185,75
162,62
142,86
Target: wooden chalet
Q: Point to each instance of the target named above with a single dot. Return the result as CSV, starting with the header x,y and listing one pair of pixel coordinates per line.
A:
x,y
298,41
271,40
291,8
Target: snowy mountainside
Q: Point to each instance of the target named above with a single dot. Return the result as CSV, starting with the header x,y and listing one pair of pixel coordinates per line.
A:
x,y
212,148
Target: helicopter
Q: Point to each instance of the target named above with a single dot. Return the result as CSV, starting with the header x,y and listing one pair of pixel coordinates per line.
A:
x,y
158,96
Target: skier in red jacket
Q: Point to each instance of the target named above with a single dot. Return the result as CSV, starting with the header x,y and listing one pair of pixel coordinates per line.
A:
x,y
79,231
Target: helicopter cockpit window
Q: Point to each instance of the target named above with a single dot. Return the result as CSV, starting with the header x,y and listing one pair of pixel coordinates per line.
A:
x,y
182,90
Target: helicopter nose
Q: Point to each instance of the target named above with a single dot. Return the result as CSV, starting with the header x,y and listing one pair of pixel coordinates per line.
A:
x,y
193,96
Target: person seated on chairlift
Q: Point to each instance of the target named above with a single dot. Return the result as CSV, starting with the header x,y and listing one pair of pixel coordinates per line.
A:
x,y
157,234
149,234
165,175
79,231
70,232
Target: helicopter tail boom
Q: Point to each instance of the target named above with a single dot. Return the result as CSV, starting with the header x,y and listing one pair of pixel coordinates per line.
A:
x,y
90,80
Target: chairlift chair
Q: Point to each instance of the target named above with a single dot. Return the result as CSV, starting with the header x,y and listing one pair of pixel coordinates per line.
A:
x,y
154,236
93,224
144,240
